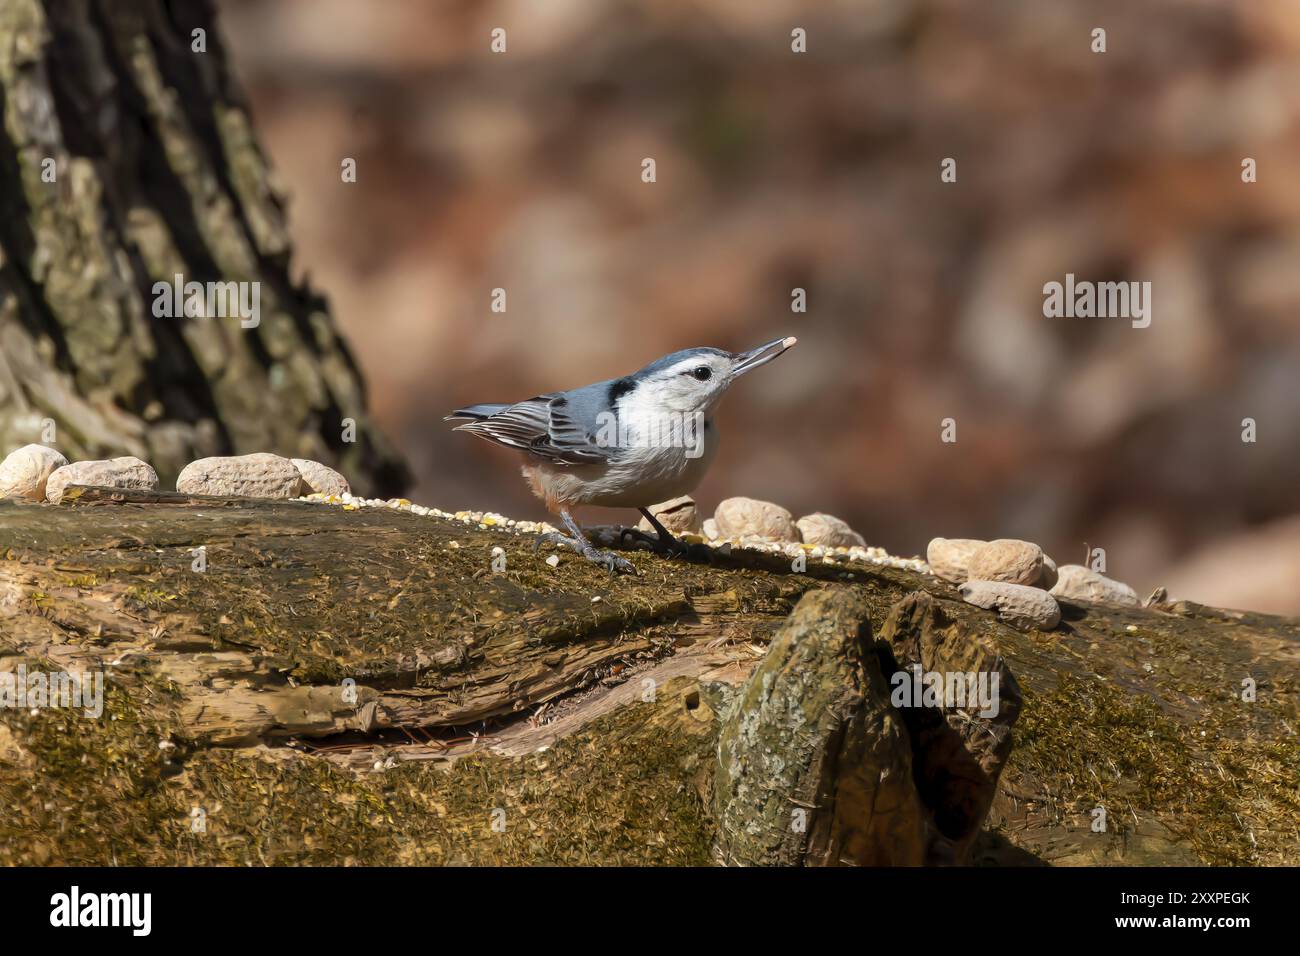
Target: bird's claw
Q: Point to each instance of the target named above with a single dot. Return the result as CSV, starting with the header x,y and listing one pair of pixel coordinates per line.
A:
x,y
672,547
551,537
697,552
637,535
611,561
607,559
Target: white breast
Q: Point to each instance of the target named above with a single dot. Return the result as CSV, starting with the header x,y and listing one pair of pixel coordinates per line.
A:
x,y
644,474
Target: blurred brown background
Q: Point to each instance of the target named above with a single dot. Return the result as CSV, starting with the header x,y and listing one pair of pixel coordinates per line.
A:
x,y
821,171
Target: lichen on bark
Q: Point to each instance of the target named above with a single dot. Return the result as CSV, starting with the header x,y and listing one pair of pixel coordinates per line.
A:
x,y
157,173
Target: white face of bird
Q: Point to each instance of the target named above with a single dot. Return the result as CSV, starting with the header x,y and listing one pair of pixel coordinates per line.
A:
x,y
695,383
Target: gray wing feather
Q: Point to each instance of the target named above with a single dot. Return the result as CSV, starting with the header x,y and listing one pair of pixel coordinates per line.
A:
x,y
558,427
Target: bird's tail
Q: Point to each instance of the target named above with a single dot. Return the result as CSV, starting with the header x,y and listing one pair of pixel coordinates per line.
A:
x,y
476,412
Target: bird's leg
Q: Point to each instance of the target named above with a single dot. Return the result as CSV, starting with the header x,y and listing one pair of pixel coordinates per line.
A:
x,y
579,543
667,543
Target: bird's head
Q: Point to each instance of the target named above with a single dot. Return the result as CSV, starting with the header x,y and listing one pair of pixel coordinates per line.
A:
x,y
693,380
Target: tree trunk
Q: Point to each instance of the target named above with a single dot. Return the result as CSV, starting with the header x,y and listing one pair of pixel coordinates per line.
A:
x,y
127,158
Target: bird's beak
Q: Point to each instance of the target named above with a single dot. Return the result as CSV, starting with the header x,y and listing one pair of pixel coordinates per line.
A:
x,y
762,355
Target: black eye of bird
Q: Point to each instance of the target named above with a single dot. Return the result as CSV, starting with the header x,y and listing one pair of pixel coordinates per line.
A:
x,y
703,373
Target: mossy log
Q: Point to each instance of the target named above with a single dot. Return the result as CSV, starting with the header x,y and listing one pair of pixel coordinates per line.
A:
x,y
326,686
958,751
814,765
127,158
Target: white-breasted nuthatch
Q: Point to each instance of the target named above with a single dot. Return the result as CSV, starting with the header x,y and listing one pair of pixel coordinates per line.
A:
x,y
627,442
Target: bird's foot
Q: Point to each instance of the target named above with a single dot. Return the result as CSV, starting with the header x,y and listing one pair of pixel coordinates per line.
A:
x,y
668,545
606,559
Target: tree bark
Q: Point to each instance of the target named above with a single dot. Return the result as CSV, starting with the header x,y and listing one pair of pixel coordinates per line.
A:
x,y
377,686
814,765
128,158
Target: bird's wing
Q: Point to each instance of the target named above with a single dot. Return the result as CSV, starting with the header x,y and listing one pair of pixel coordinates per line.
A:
x,y
542,426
